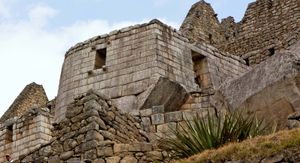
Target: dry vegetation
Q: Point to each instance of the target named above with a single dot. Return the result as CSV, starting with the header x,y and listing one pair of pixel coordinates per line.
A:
x,y
259,147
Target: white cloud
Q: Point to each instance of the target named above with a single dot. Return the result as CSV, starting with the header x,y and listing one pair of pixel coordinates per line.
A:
x,y
32,53
40,14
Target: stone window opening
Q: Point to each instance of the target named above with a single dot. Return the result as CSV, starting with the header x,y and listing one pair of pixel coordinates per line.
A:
x,y
202,77
271,51
100,59
9,134
210,38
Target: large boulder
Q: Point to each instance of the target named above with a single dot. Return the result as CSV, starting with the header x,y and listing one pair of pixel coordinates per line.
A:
x,y
165,92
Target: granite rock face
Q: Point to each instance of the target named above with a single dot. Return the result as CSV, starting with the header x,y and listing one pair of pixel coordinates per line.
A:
x,y
270,89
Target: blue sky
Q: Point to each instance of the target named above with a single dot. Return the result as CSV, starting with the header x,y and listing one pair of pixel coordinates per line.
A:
x,y
34,34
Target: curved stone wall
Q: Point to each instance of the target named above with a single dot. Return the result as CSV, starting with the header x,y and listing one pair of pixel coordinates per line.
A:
x,y
135,58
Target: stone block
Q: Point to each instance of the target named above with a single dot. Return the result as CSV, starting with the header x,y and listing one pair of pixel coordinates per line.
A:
x,y
66,155
173,116
140,147
155,155
90,126
107,135
99,160
91,154
146,112
146,123
158,109
114,159
129,159
94,135
69,144
157,119
166,128
89,145
121,148
105,151
74,160
73,111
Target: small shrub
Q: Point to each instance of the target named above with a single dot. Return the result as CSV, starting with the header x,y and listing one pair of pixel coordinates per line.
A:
x,y
199,134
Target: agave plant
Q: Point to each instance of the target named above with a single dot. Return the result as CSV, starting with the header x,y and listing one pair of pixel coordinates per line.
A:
x,y
199,134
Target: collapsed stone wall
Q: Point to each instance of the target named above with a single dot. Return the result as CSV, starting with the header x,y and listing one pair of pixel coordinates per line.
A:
x,y
95,130
20,135
267,26
33,95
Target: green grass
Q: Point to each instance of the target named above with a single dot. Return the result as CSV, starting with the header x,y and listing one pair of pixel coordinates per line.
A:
x,y
259,147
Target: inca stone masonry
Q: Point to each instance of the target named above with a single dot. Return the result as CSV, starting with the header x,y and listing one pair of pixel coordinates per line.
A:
x,y
120,91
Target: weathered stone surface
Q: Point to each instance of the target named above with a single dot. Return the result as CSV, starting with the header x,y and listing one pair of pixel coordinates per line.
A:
x,y
155,155
128,159
121,148
66,155
89,145
167,93
157,119
126,103
72,112
91,154
173,117
94,135
272,90
105,151
166,128
114,159
47,151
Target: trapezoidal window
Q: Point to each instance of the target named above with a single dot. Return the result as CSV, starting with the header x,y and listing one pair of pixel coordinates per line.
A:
x,y
100,58
202,76
9,134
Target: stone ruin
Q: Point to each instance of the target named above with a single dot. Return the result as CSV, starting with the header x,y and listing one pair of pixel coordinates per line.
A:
x,y
120,92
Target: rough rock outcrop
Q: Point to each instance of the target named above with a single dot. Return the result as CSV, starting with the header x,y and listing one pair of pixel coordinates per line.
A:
x,y
271,88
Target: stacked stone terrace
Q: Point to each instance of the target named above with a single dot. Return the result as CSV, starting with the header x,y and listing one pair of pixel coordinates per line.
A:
x,y
127,64
94,130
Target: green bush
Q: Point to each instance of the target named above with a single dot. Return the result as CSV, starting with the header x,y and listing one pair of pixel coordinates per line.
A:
x,y
199,134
